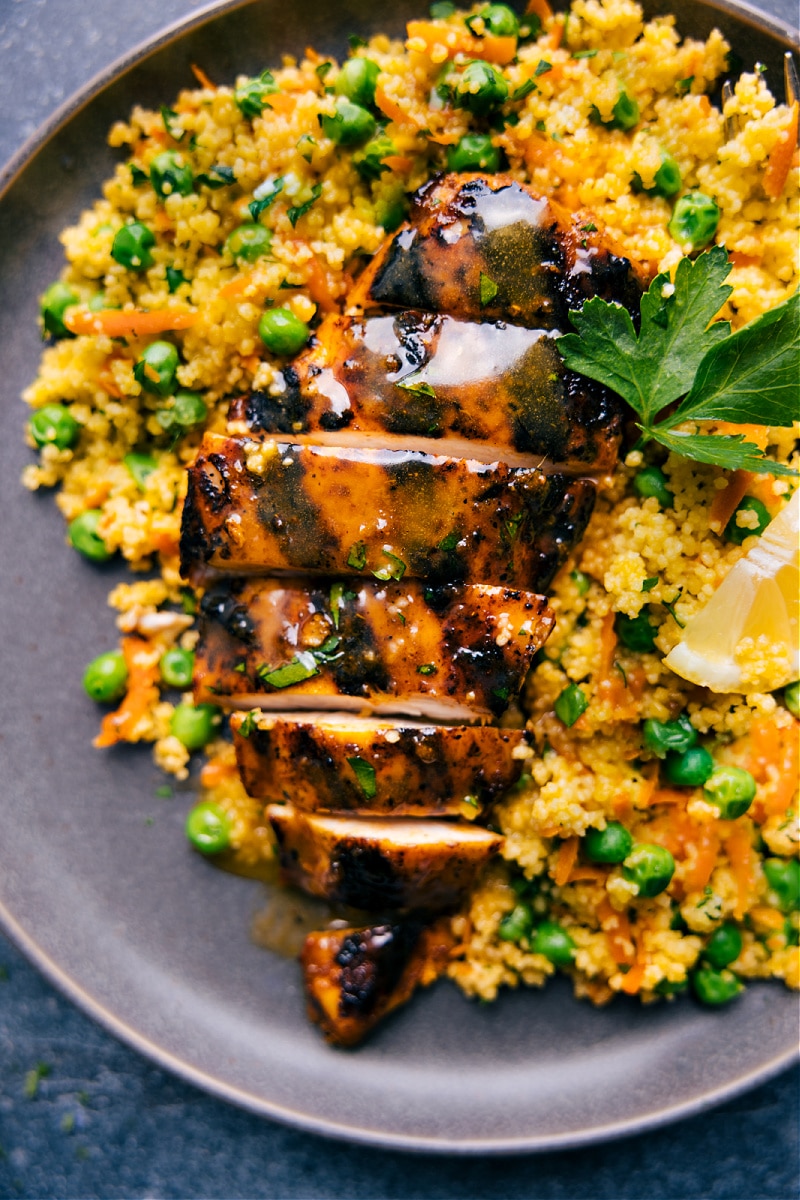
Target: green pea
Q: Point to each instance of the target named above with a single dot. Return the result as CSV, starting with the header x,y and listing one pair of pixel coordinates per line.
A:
x,y
624,114
724,946
54,425
670,987
517,924
106,677
282,332
694,220
713,987
690,769
737,533
666,181
732,790
661,737
480,89
350,125
783,880
500,20
474,152
368,161
54,303
636,633
188,409
155,370
650,867
357,80
390,211
141,467
83,536
251,96
171,174
208,828
131,246
553,941
570,704
609,845
249,242
582,582
651,481
791,697
194,725
176,667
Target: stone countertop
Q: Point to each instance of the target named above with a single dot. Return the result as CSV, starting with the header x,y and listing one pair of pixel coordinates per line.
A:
x,y
83,1116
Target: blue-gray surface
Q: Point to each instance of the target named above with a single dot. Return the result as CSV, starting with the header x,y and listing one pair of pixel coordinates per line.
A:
x,y
83,1116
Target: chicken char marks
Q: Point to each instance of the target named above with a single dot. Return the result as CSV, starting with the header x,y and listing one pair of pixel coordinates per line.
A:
x,y
429,454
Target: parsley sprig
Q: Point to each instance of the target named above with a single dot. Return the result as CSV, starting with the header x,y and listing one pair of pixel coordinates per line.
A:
x,y
681,353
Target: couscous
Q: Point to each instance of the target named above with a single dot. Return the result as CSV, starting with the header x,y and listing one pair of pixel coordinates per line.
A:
x,y
238,219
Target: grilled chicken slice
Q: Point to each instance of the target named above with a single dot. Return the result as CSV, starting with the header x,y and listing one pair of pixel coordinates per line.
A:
x,y
341,765
257,507
492,249
484,390
452,653
355,977
380,864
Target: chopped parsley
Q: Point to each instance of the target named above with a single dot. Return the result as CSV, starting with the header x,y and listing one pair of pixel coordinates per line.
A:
x,y
170,117
262,199
488,290
365,776
427,669
294,214
394,569
248,725
357,558
302,667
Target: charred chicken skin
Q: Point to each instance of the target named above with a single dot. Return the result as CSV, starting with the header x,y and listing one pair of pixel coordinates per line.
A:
x,y
356,977
456,653
337,765
429,454
256,507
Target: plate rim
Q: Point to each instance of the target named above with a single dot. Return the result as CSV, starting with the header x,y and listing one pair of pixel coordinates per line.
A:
x,y
126,1033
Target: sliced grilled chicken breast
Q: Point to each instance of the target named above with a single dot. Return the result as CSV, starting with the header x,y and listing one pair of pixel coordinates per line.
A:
x,y
380,864
457,653
345,765
256,507
493,249
427,381
356,977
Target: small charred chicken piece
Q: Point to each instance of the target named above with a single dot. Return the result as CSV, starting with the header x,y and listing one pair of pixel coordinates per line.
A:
x,y
356,977
380,864
493,249
256,507
424,381
452,653
340,766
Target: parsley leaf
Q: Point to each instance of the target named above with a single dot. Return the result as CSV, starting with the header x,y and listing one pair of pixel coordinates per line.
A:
x,y
170,119
365,776
747,377
395,568
413,383
488,290
303,666
262,200
294,214
216,177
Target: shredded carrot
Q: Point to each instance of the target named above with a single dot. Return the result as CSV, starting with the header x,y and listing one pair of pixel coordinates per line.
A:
x,y
617,929
142,694
106,379
234,287
317,280
443,139
391,109
705,843
726,500
744,260
453,41
586,874
667,796
540,9
251,363
398,162
281,103
773,746
115,322
780,159
202,78
740,853
216,771
633,981
567,854
705,104
765,917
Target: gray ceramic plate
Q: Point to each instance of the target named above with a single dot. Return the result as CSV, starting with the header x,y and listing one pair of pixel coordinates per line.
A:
x,y
97,885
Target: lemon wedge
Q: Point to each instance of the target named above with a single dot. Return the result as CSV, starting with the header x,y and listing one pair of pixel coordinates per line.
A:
x,y
746,637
